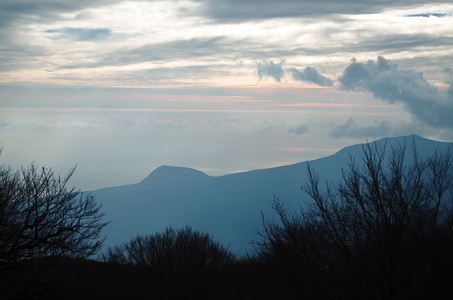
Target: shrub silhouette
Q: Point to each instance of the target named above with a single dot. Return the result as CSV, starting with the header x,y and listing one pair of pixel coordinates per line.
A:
x,y
182,249
188,264
384,232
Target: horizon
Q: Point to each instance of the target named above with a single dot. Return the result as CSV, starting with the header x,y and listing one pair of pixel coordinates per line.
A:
x,y
179,168
119,88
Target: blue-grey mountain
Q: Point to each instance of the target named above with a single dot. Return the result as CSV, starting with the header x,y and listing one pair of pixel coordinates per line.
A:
x,y
229,207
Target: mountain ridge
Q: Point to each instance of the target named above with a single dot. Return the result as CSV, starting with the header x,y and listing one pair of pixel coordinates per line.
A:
x,y
346,149
228,206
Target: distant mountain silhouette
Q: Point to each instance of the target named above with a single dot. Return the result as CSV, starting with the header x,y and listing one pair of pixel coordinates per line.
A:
x,y
228,207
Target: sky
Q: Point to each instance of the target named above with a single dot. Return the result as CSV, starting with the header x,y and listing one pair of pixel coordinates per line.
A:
x,y
118,88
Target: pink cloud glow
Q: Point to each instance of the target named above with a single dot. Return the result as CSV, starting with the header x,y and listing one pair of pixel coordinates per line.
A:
x,y
297,149
335,105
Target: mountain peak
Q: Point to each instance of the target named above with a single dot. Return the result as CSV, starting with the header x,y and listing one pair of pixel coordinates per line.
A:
x,y
171,173
228,207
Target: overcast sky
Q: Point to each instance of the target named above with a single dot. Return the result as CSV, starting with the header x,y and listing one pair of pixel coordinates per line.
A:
x,y
122,87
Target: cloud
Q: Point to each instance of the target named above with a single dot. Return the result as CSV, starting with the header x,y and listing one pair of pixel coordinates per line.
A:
x,y
83,34
386,81
245,10
299,130
13,11
310,74
380,128
19,34
427,15
390,42
174,50
271,69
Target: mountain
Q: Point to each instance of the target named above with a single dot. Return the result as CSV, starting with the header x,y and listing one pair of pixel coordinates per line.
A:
x,y
229,207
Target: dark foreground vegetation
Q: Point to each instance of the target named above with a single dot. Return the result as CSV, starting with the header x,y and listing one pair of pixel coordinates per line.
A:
x,y
89,279
384,232
174,264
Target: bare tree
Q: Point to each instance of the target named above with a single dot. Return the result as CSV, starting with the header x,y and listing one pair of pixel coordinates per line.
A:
x,y
40,217
186,263
182,249
384,232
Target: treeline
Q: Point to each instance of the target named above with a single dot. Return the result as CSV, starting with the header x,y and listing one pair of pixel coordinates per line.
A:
x,y
175,264
384,232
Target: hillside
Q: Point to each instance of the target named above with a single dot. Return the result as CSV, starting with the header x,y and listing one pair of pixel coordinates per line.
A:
x,y
228,207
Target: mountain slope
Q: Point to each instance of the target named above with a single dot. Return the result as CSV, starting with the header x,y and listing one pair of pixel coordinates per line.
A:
x,y
228,207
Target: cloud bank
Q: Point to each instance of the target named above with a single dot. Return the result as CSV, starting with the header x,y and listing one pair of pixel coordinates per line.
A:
x,y
268,68
243,10
310,74
386,81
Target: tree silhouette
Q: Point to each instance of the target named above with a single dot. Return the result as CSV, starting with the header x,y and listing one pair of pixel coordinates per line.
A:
x,y
182,249
384,232
188,264
41,218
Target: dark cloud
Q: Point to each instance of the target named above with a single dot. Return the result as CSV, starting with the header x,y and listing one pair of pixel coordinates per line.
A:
x,y
299,130
17,52
310,74
271,69
83,34
245,10
427,15
268,68
380,128
390,43
382,42
386,81
17,11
